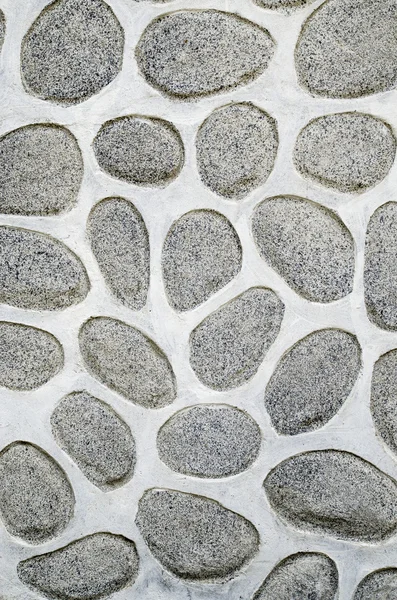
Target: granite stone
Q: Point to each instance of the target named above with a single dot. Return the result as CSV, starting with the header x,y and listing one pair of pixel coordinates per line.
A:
x,y
3,28
383,399
379,585
285,6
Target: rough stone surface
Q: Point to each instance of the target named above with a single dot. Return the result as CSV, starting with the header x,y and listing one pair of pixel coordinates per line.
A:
x,y
306,244
209,441
283,5
227,348
383,398
236,149
72,51
192,53
2,28
194,537
120,243
127,361
41,170
335,493
141,150
88,569
202,253
312,381
36,498
96,438
379,585
38,272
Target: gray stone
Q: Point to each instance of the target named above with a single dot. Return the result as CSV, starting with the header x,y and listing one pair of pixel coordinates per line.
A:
x,y
88,569
29,357
236,149
209,441
193,53
127,361
312,381
120,243
194,537
350,152
379,585
38,272
286,6
36,498
72,50
307,245
41,170
227,348
141,150
202,253
335,493
2,28
383,399
96,438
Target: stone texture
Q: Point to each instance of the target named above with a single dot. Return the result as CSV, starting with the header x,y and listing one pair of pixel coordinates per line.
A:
x,y
194,537
193,53
72,51
383,399
141,150
29,357
307,245
350,151
2,28
334,493
120,243
88,569
36,498
209,441
127,361
379,585
41,170
312,381
202,253
236,148
286,6
96,438
227,348
38,272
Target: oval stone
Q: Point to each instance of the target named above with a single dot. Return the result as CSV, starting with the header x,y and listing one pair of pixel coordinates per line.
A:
x,y
193,53
285,6
335,493
379,585
383,398
307,245
208,541
36,498
127,361
227,348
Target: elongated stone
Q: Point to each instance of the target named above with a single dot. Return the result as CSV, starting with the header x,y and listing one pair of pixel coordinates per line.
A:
x,y
285,6
383,398
379,585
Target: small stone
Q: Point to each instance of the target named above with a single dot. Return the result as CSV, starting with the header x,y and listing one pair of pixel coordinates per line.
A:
x,y
312,381
96,438
379,585
127,361
140,150
2,28
120,243
36,498
88,569
383,399
307,245
285,6
29,357
72,51
227,348
202,253
194,537
193,53
335,493
209,441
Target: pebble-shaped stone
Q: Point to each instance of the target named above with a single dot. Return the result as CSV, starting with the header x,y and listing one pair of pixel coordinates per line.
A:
x,y
202,253
127,361
285,6
236,148
38,272
312,381
3,26
383,398
72,51
36,498
307,245
379,585
120,243
96,438
193,53
29,357
194,537
350,151
88,569
227,348
334,493
209,441
140,150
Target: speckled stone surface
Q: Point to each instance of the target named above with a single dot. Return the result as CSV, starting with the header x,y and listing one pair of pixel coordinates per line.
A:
x,y
383,398
285,6
379,585
3,28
